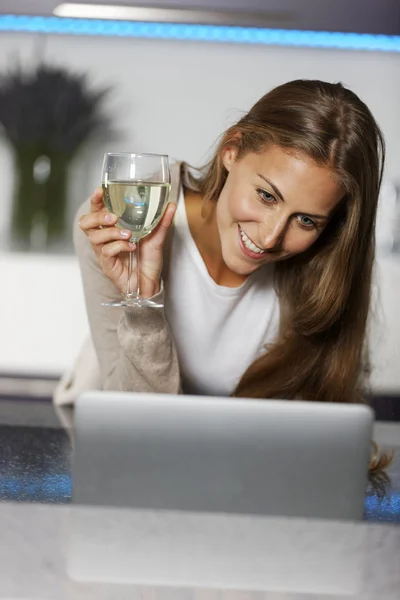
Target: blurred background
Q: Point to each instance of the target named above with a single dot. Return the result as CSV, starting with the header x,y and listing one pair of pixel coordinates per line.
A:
x,y
163,76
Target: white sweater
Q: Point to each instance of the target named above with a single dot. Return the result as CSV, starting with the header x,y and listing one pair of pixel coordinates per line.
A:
x,y
218,331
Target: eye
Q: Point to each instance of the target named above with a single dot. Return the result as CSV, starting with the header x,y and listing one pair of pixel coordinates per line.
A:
x,y
306,222
266,197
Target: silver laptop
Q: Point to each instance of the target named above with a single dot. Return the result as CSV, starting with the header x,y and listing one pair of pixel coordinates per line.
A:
x,y
221,455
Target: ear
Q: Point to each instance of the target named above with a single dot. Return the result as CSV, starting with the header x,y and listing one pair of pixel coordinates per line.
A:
x,y
228,156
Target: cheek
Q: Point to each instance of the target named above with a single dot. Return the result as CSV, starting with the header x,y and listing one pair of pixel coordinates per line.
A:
x,y
300,241
236,204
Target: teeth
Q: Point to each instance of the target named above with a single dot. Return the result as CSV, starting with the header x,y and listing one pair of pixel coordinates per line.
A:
x,y
249,244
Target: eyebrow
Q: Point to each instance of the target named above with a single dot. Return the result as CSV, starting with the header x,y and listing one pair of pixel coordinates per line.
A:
x,y
278,193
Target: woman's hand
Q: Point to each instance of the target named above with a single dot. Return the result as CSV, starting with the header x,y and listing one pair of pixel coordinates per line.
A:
x,y
111,246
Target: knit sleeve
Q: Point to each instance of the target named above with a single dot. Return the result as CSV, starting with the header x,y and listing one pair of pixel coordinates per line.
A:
x,y
134,346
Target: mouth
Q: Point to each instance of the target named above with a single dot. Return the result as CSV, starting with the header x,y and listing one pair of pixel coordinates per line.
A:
x,y
248,247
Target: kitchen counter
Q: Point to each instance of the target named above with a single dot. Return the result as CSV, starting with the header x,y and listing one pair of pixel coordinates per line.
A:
x,y
52,549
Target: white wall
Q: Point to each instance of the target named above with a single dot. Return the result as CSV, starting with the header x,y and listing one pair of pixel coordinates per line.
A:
x,y
173,97
177,97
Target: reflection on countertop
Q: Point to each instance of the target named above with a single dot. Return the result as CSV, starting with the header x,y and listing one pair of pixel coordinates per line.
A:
x,y
85,553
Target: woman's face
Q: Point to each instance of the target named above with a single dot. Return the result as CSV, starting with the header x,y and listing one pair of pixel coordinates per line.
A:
x,y
274,205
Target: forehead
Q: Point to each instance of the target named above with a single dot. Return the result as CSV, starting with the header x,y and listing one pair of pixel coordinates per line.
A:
x,y
299,179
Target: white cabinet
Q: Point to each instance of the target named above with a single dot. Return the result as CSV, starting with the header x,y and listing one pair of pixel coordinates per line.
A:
x,y
385,326
42,318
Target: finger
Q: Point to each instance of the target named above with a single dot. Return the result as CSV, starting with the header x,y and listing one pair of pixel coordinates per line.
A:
x,y
169,214
161,230
96,219
114,248
108,234
96,200
111,258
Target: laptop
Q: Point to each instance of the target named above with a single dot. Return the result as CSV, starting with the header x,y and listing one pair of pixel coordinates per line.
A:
x,y
221,455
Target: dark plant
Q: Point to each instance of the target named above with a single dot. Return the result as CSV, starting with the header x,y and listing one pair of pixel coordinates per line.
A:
x,y
47,115
51,109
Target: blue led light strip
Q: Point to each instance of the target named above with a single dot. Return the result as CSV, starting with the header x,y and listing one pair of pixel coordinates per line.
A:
x,y
206,33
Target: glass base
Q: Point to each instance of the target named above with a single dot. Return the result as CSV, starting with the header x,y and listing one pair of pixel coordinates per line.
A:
x,y
134,303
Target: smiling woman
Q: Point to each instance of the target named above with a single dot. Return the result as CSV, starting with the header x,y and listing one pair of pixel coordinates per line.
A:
x,y
266,271
322,150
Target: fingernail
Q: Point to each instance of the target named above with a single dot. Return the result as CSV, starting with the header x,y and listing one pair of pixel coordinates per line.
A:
x,y
109,218
132,245
125,234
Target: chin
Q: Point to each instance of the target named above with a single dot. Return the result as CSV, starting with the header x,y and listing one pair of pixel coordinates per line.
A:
x,y
241,268
272,258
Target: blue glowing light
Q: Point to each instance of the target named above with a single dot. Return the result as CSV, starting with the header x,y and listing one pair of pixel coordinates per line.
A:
x,y
387,509
55,487
207,33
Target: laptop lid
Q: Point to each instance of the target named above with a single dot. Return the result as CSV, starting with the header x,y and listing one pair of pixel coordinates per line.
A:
x,y
221,455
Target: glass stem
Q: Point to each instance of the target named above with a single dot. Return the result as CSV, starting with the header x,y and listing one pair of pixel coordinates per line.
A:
x,y
133,263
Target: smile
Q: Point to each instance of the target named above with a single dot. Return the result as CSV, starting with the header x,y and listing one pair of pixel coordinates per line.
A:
x,y
249,244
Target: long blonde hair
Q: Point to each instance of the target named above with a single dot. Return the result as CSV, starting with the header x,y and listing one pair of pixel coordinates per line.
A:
x,y
324,293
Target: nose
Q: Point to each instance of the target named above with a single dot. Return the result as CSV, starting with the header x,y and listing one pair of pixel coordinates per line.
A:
x,y
273,231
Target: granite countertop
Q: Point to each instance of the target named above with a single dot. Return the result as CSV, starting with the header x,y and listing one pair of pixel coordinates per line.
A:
x,y
35,458
35,453
51,549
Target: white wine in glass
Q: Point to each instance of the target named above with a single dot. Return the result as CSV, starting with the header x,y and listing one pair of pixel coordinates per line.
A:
x,y
136,189
138,206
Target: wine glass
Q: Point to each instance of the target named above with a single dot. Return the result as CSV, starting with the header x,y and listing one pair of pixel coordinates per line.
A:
x,y
136,189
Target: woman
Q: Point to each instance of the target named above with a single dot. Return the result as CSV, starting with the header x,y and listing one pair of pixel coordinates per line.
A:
x,y
266,271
